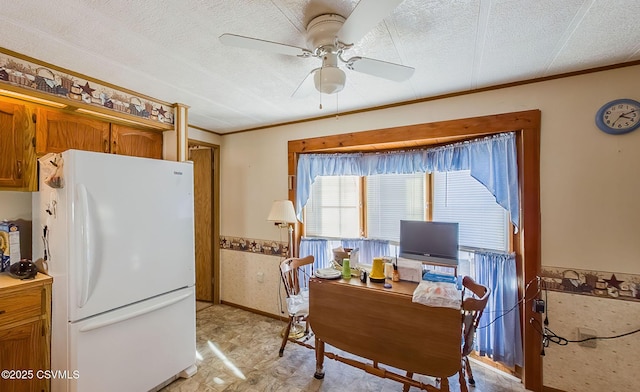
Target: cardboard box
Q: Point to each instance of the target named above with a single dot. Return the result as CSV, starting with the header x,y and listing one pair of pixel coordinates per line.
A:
x,y
9,245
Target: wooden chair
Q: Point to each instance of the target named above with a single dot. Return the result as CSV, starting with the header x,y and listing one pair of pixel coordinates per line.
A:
x,y
472,308
296,286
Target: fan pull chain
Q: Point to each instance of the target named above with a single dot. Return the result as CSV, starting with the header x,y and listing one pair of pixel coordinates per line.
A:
x,y
320,88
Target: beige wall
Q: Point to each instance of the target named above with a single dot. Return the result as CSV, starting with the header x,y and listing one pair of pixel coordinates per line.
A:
x,y
589,191
612,364
15,205
203,136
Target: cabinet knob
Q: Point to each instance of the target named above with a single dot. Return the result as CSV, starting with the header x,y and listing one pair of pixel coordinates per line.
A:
x,y
2,311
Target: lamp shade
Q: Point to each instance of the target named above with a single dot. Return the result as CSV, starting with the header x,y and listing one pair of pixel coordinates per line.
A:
x,y
282,211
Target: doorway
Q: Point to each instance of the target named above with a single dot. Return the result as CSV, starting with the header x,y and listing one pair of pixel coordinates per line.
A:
x,y
205,158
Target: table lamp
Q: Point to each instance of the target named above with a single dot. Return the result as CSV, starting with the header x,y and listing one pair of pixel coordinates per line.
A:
x,y
283,215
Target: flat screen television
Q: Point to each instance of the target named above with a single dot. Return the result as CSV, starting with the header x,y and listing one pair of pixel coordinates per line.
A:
x,y
435,242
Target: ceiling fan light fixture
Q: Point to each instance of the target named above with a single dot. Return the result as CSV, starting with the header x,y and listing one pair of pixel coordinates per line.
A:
x,y
329,79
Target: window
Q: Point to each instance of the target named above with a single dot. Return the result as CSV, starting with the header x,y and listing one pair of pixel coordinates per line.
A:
x,y
391,198
458,197
334,208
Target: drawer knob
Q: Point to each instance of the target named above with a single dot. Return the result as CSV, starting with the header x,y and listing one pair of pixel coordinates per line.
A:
x,y
2,311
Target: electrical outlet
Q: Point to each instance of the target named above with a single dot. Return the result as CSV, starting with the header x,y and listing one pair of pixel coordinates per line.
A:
x,y
586,333
260,277
538,305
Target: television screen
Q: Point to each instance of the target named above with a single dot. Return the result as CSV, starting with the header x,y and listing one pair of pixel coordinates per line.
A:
x,y
435,242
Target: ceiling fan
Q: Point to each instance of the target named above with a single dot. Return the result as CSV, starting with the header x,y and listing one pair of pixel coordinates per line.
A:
x,y
330,36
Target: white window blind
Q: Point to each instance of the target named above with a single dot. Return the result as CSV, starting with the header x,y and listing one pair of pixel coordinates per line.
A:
x,y
333,209
458,197
391,198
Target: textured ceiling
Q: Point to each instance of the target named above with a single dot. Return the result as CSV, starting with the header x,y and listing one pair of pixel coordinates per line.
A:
x,y
170,50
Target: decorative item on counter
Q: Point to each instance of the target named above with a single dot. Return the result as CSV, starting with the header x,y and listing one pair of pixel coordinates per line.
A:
x,y
346,269
23,269
377,271
410,270
354,257
396,274
9,245
339,254
363,276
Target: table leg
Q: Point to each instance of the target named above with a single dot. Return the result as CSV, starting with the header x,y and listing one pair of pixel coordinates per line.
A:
x,y
319,359
444,384
407,386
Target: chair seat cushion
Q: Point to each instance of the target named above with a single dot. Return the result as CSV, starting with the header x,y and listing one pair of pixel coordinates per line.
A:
x,y
298,305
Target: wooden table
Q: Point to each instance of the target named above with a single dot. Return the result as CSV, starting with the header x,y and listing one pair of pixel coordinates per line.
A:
x,y
384,326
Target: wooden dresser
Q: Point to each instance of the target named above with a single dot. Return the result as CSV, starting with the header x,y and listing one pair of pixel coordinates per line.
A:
x,y
25,333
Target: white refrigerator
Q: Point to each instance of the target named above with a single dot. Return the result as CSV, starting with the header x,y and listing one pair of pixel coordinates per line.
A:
x,y
118,237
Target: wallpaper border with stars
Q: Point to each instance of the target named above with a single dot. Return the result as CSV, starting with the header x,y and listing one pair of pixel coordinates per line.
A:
x,y
267,247
33,75
569,280
594,283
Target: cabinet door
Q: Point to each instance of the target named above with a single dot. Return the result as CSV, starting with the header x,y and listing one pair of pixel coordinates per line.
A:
x,y
136,142
58,132
21,348
17,156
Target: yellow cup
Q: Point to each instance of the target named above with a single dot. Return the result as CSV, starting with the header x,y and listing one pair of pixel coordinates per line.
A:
x,y
377,270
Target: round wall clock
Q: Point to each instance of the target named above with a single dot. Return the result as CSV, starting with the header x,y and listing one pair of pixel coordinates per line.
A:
x,y
619,116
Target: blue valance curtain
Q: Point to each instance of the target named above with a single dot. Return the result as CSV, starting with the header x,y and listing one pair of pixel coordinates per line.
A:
x,y
491,160
498,333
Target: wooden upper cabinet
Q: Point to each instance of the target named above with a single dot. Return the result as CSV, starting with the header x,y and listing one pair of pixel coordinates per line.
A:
x,y
58,132
135,142
17,156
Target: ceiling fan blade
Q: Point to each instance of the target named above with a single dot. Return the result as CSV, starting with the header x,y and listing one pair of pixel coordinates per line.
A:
x,y
382,69
364,17
306,87
266,46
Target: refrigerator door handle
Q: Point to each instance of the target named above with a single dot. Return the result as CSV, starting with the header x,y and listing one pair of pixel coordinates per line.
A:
x,y
137,313
86,246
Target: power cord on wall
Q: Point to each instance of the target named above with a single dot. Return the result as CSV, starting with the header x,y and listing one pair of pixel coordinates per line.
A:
x,y
548,336
546,301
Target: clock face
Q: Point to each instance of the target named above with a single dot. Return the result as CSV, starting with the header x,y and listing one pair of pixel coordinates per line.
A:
x,y
619,116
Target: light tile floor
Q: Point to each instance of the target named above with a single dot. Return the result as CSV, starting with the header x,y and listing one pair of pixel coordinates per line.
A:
x,y
238,351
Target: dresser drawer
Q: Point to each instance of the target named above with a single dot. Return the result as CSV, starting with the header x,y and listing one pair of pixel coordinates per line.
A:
x,y
20,305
